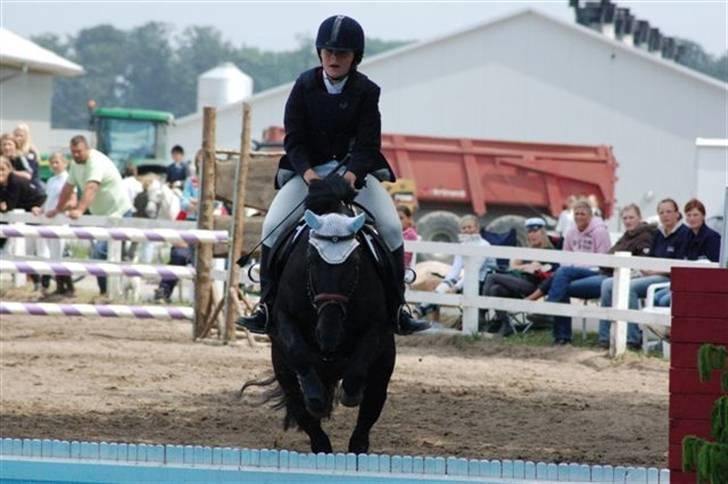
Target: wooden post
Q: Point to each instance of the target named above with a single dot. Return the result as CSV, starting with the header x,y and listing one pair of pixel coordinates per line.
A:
x,y
203,265
620,300
237,232
470,291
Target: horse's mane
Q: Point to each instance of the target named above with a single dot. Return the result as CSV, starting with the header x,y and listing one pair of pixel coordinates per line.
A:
x,y
327,195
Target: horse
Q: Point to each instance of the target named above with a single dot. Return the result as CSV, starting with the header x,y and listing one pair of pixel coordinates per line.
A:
x,y
331,322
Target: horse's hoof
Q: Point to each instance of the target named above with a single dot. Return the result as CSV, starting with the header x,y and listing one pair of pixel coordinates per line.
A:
x,y
351,400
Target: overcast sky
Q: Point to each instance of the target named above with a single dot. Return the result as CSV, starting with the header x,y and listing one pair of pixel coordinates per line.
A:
x,y
274,25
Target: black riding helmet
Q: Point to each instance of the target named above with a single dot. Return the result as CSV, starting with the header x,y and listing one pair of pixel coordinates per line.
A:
x,y
341,33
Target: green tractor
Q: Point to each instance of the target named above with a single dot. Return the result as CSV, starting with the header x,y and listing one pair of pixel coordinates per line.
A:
x,y
137,136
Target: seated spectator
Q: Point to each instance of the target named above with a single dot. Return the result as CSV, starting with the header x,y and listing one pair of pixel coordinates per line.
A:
x,y
522,278
22,166
408,230
702,243
178,169
182,254
637,239
54,247
18,192
668,242
589,235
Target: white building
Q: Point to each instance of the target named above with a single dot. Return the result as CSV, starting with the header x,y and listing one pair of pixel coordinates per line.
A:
x,y
530,77
26,85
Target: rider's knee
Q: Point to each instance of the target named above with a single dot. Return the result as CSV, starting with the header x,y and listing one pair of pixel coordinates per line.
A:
x,y
392,235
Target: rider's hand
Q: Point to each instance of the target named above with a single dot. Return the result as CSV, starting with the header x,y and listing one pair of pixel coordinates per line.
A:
x,y
351,178
310,175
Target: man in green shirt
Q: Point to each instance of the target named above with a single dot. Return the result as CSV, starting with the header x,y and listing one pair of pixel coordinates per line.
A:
x,y
103,191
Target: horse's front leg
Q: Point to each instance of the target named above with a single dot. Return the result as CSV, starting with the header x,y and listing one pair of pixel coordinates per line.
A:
x,y
301,360
354,378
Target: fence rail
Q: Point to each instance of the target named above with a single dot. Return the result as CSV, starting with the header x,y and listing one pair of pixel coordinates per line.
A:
x,y
119,234
619,312
97,221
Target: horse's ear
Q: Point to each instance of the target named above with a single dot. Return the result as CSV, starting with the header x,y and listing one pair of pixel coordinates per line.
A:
x,y
312,220
357,223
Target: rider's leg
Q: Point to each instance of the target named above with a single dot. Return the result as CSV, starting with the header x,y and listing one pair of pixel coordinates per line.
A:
x,y
375,198
290,195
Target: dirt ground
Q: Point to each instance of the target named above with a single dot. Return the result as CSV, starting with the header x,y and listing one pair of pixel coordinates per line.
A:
x,y
145,381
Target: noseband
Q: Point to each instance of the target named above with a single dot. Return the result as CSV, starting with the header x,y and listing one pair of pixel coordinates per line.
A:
x,y
321,300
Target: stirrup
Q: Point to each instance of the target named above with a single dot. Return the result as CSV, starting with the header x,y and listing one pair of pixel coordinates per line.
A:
x,y
413,325
257,322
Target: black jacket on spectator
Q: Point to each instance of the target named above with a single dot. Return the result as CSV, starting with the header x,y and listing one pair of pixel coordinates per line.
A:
x,y
671,247
28,164
21,193
321,127
706,243
637,242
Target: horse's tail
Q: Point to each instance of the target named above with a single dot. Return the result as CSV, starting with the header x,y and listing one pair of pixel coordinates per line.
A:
x,y
275,395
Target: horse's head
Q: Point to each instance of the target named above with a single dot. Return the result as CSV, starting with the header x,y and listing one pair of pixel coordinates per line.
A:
x,y
333,272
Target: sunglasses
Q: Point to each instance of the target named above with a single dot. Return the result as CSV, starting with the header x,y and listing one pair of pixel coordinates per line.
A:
x,y
534,228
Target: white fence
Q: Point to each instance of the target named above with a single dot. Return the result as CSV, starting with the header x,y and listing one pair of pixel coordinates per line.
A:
x,y
622,263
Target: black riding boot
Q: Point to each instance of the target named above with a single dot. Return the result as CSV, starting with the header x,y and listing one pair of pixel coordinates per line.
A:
x,y
406,324
258,321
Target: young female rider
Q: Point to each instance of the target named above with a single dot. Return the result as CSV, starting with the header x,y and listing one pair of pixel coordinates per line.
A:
x,y
331,113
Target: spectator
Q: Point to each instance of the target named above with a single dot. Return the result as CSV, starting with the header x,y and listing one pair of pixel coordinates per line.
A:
x,y
566,218
133,187
25,145
54,247
594,203
178,169
408,230
182,254
668,242
702,243
637,239
589,235
469,234
103,192
523,277
22,166
18,192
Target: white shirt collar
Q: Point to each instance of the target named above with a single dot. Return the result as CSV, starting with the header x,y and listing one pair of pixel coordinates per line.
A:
x,y
334,87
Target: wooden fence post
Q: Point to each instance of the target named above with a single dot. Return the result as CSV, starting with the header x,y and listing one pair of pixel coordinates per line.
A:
x,y
203,266
620,300
470,291
238,225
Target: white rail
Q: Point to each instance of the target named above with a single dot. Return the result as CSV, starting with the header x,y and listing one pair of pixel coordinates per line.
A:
x,y
622,263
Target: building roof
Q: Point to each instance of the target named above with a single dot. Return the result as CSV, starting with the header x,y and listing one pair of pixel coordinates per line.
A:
x,y
671,67
21,53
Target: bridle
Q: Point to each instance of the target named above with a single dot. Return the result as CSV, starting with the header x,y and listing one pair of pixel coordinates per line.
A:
x,y
324,299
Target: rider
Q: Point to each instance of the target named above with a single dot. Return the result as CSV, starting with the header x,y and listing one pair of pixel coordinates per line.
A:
x,y
331,113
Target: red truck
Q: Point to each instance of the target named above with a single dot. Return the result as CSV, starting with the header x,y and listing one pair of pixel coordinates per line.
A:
x,y
500,181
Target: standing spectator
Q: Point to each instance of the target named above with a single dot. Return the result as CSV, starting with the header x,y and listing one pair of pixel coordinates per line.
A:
x,y
178,169
594,202
702,243
25,145
133,187
669,242
408,230
18,192
22,166
103,191
181,254
637,239
54,247
566,217
522,278
589,235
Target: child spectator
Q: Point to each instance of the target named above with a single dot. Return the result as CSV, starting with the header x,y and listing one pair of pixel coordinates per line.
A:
x,y
590,235
566,217
177,170
54,247
408,230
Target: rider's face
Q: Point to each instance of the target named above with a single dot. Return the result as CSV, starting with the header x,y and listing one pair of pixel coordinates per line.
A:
x,y
337,63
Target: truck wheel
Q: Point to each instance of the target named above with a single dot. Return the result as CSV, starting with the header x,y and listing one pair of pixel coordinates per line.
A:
x,y
505,223
438,226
